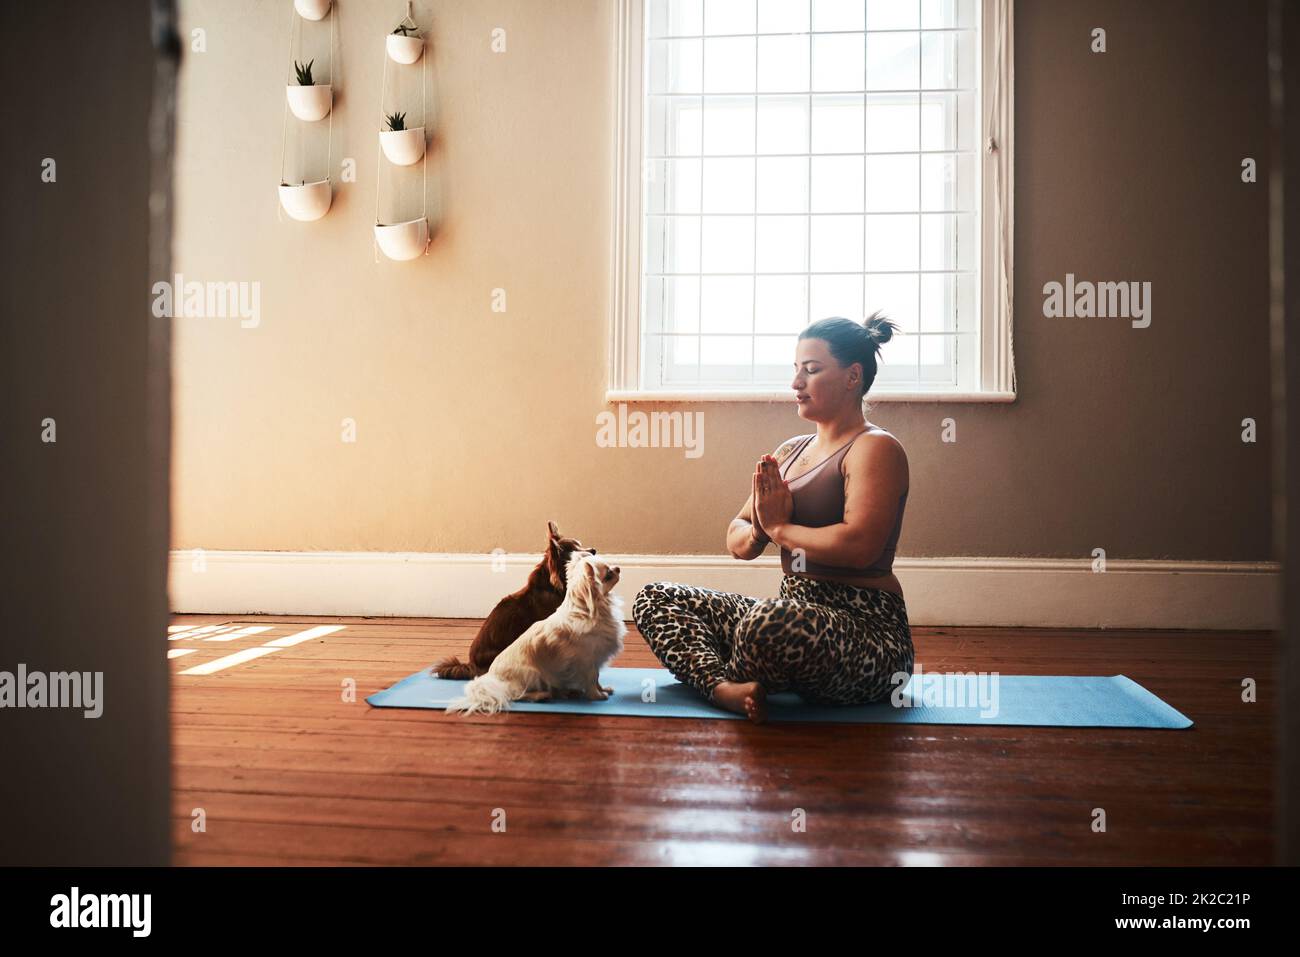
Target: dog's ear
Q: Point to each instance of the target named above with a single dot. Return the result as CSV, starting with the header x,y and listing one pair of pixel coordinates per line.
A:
x,y
555,565
582,588
552,530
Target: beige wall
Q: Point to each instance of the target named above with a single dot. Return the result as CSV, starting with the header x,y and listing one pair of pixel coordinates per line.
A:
x,y
474,427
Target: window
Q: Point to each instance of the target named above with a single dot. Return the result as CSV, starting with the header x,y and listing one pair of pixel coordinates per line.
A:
x,y
780,161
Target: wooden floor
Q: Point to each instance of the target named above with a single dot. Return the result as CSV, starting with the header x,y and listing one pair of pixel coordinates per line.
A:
x,y
288,772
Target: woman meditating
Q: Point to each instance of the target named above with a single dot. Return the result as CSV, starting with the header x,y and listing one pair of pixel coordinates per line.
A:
x,y
833,502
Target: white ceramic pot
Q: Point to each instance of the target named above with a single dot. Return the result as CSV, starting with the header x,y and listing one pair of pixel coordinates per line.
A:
x,y
312,9
403,147
307,202
404,49
403,241
310,103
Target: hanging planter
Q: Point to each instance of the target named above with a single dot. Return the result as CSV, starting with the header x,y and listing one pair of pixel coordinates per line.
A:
x,y
403,147
309,101
402,241
306,201
405,44
312,9
403,49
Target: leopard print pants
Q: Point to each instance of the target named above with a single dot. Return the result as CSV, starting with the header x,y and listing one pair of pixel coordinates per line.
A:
x,y
830,642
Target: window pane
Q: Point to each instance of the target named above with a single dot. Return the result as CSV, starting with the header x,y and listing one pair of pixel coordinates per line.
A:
x,y
782,124
728,186
727,244
673,127
673,304
777,352
729,16
893,15
893,182
729,64
837,62
893,242
899,356
938,302
838,14
727,304
896,293
782,244
948,121
947,60
893,122
938,14
837,244
672,244
728,125
681,355
674,66
782,64
781,305
835,296
674,17
837,184
672,186
783,185
949,241
837,124
948,182
893,61
726,359
782,16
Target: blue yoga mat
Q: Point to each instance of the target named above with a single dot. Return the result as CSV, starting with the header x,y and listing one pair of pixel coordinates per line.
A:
x,y
932,698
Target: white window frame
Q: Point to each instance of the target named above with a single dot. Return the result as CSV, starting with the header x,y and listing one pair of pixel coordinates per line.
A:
x,y
997,359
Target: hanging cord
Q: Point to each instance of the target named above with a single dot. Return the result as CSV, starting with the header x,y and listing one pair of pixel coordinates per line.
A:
x,y
379,167
334,59
424,125
284,132
383,83
994,146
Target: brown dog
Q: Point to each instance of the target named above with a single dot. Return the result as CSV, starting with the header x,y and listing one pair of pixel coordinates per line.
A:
x,y
515,613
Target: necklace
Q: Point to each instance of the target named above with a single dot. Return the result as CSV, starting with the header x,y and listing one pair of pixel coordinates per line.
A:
x,y
806,457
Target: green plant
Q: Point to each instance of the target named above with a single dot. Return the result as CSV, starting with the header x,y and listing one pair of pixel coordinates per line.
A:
x,y
396,121
304,72
404,30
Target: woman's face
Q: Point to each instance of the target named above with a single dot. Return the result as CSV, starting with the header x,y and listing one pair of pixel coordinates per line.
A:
x,y
822,387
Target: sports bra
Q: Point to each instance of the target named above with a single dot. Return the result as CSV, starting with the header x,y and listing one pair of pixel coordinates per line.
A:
x,y
818,496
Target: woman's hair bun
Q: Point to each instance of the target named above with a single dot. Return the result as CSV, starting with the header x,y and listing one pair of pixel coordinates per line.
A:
x,y
879,328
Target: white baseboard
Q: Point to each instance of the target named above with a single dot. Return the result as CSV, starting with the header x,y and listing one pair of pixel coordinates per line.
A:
x,y
1027,592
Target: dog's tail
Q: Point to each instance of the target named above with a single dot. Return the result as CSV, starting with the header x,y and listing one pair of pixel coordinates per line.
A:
x,y
484,695
453,667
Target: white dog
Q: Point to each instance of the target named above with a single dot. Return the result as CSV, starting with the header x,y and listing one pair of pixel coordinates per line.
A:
x,y
560,654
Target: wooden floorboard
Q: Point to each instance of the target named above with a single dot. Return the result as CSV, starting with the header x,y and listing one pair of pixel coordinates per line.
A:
x,y
286,771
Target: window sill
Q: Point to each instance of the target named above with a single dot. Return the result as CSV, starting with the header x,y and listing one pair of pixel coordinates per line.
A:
x,y
873,398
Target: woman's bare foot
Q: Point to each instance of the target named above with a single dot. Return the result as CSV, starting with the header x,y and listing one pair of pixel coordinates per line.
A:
x,y
747,698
